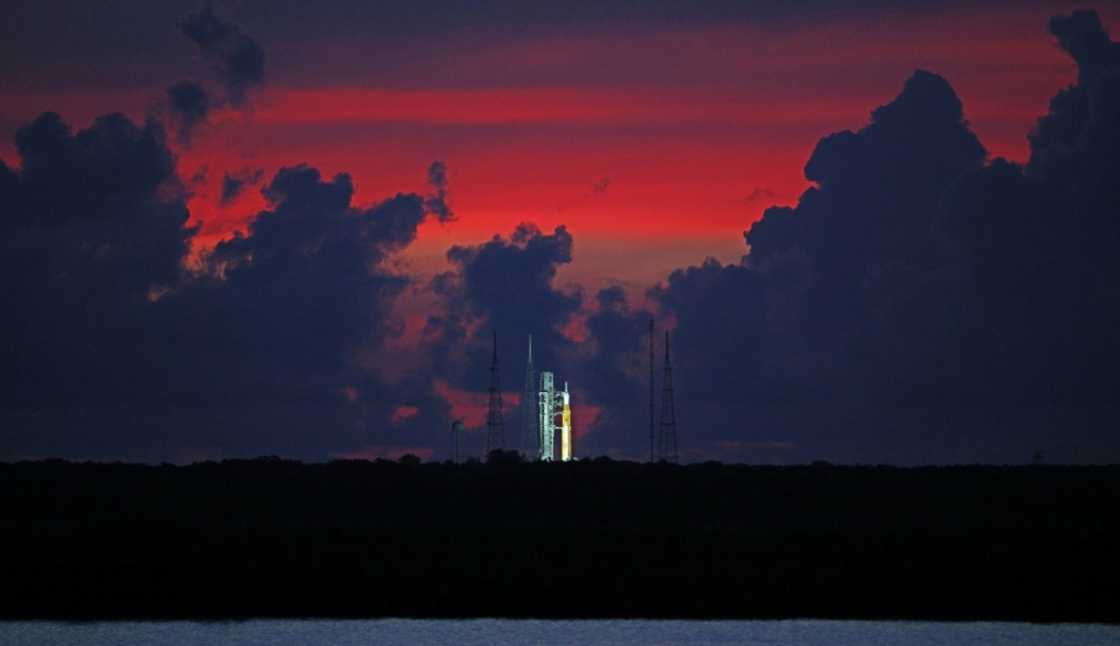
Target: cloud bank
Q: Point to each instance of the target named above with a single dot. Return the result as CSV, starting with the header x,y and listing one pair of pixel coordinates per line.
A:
x,y
920,302
114,350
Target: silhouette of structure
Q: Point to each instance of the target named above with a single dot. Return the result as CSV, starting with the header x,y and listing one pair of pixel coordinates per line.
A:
x,y
456,432
668,413
530,430
495,425
652,453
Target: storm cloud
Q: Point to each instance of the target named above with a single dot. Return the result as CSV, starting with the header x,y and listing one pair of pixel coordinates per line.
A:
x,y
114,349
920,303
506,284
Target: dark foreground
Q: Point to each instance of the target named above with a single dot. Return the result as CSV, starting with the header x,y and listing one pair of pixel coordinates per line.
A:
x,y
591,539
551,632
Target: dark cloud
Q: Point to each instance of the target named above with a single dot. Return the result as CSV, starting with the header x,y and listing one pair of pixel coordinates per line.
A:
x,y
920,304
610,373
505,285
113,350
287,310
234,184
271,342
237,58
1084,38
189,106
238,61
437,178
510,282
1039,241
94,227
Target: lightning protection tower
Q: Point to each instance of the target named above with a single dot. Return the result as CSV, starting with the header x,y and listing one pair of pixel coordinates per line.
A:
x,y
668,414
652,450
530,432
456,433
495,426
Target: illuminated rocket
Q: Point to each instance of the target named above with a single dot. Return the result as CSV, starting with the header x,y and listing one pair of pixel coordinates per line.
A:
x,y
566,426
551,404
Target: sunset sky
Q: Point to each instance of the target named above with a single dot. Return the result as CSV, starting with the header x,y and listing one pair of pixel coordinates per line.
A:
x,y
657,137
639,139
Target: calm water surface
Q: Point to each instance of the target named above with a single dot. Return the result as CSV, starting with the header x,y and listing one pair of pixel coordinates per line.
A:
x,y
500,631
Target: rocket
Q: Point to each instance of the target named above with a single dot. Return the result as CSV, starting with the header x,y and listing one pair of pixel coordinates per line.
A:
x,y
566,426
550,404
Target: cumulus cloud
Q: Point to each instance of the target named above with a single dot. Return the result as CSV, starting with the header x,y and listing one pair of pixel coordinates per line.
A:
x,y
510,282
1039,241
94,226
106,195
114,350
920,303
236,57
1084,38
289,305
612,371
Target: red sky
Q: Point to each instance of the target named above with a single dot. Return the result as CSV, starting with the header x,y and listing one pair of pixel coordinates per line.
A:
x,y
685,125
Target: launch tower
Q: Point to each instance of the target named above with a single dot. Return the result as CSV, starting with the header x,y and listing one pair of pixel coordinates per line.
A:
x,y
546,406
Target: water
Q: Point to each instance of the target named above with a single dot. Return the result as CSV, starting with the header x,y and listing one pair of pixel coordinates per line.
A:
x,y
498,632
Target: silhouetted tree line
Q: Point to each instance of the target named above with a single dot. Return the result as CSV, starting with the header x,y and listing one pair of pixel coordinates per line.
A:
x,y
274,537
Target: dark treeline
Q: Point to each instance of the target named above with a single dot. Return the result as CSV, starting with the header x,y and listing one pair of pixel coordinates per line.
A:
x,y
271,537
